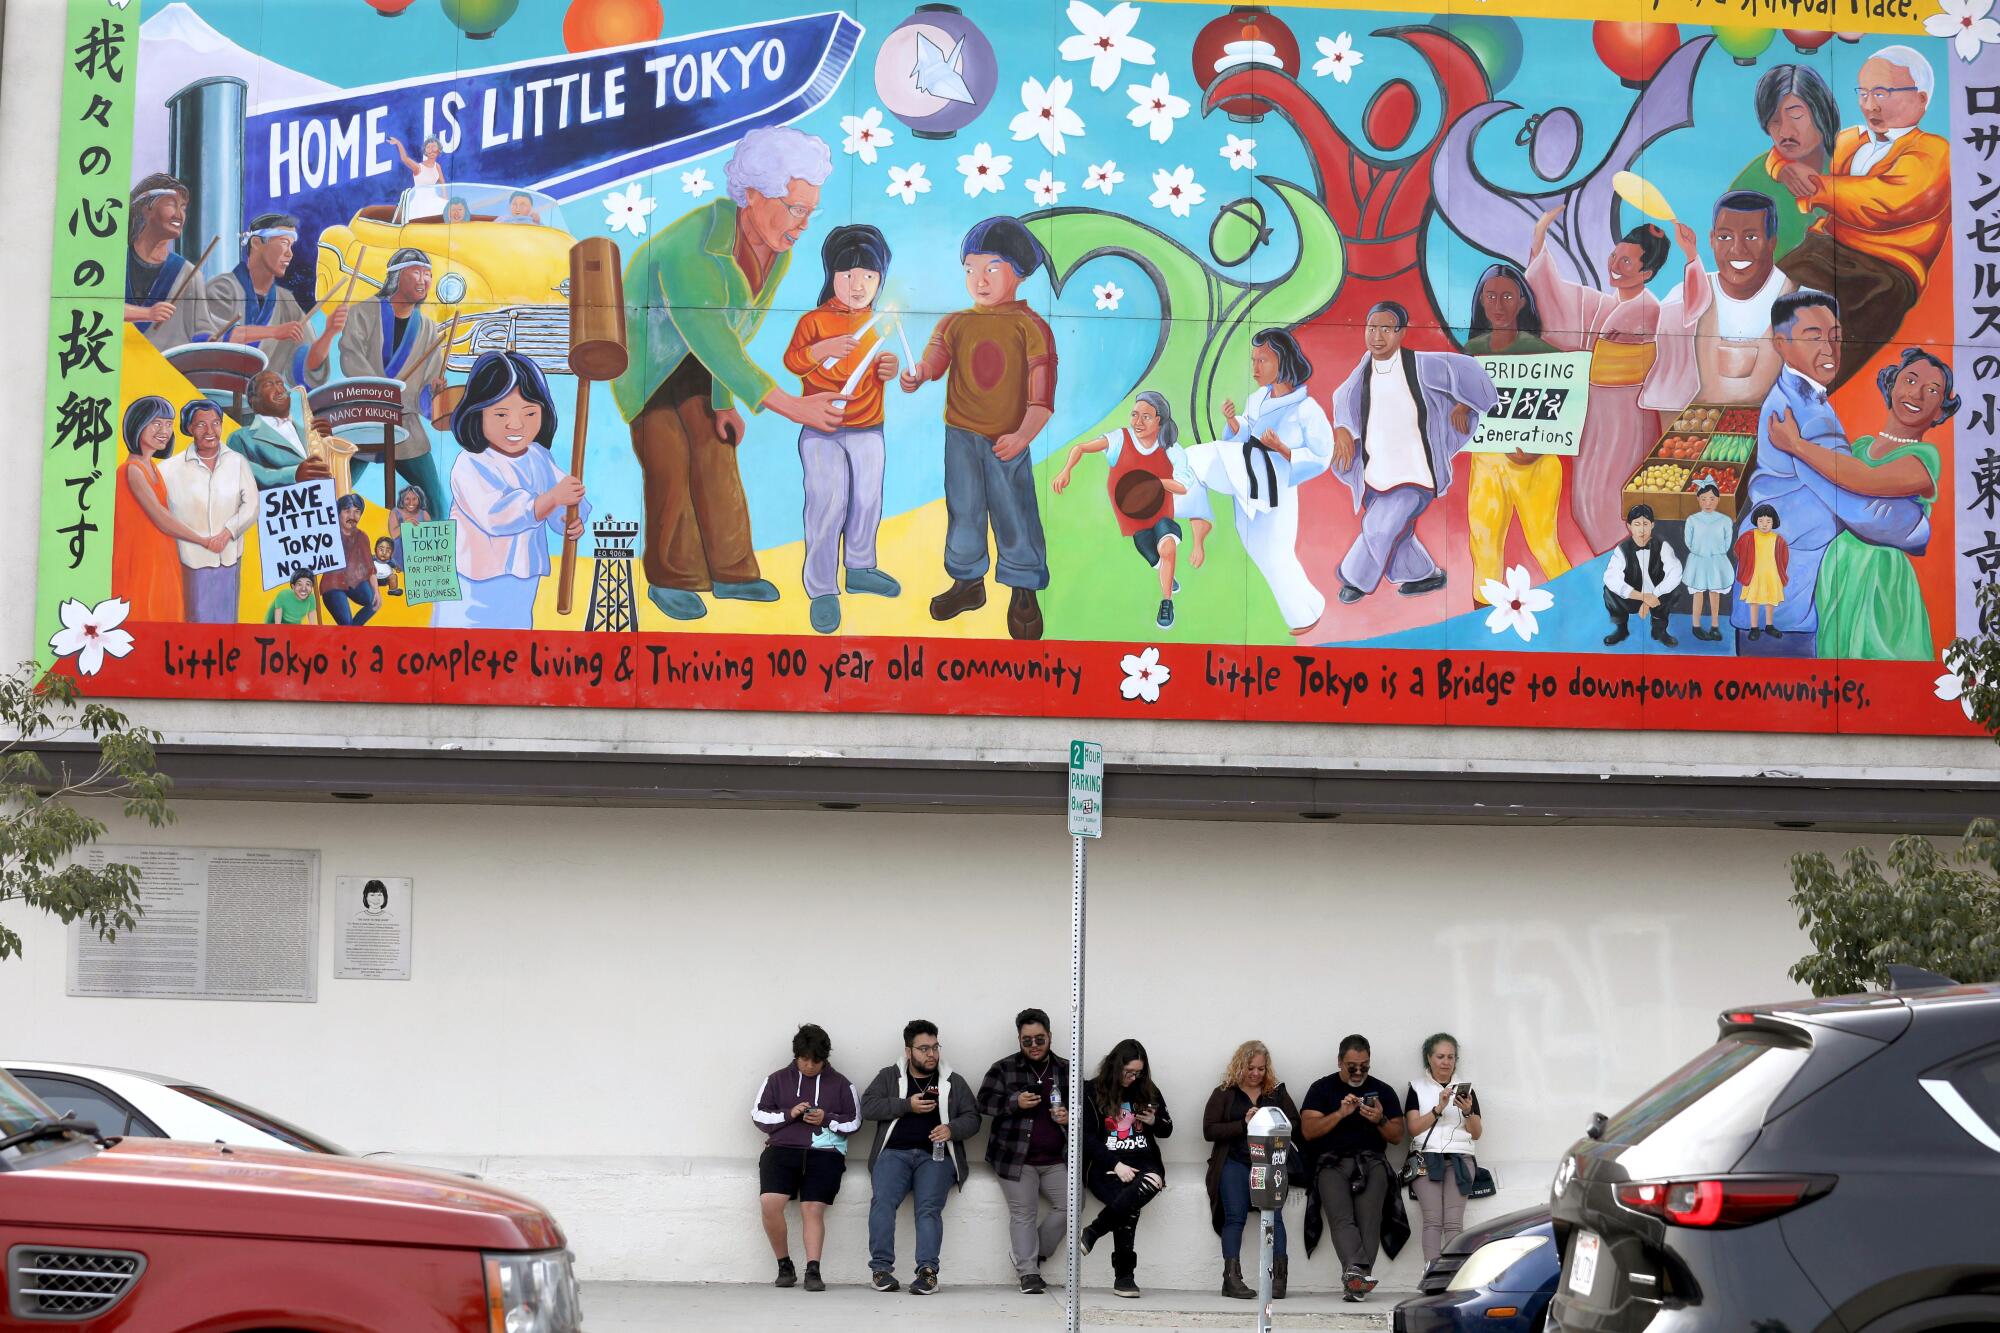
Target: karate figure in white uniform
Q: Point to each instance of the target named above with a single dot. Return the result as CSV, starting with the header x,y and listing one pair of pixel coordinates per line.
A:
x,y
1282,441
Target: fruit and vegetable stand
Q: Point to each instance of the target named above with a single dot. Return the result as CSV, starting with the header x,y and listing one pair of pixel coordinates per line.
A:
x,y
1705,440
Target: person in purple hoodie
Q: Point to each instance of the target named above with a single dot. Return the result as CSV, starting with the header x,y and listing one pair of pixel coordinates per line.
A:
x,y
806,1110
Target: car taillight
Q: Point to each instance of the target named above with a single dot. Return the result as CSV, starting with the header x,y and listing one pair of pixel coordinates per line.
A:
x,y
1723,1202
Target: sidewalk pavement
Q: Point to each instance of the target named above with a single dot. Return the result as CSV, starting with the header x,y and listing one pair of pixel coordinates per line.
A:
x,y
735,1307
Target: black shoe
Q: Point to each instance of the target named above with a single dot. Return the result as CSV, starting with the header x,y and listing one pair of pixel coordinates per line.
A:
x,y
963,595
1349,594
1233,1285
1032,1284
788,1276
1165,620
1618,635
1756,633
814,1282
1775,632
1024,614
924,1283
1661,636
1418,587
884,1281
1280,1277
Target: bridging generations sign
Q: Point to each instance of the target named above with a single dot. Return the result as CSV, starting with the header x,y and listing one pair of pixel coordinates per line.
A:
x,y
1170,362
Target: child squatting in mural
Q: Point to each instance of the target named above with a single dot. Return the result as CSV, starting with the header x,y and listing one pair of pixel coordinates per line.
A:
x,y
506,489
836,350
1147,470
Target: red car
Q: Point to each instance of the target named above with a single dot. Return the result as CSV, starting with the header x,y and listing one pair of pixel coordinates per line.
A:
x,y
157,1236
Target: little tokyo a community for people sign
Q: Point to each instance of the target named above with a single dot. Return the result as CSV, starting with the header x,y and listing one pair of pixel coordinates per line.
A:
x,y
1532,366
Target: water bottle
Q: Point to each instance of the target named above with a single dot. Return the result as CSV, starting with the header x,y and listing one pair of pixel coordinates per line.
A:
x,y
1055,1093
937,1148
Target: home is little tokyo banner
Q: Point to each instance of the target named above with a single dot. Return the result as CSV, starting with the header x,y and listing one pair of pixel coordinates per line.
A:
x,y
1377,362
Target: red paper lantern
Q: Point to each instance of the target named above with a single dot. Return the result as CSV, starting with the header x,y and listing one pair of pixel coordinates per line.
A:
x,y
1248,35
388,9
594,25
1635,51
1807,40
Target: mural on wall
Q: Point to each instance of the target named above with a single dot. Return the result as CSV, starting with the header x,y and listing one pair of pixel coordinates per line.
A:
x,y
1365,363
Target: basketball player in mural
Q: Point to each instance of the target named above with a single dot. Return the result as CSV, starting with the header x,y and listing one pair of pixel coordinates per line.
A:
x,y
697,293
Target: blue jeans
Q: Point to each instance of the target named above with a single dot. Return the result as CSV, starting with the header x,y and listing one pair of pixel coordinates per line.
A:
x,y
1236,1212
362,595
980,491
900,1172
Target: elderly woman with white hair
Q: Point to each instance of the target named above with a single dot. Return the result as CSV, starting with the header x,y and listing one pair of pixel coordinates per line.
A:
x,y
1887,198
698,292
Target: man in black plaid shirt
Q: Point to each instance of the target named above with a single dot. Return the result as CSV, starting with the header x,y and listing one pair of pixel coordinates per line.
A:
x,y
1028,1144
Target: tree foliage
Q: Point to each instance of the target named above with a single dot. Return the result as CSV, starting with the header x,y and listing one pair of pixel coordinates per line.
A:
x,y
1933,909
57,749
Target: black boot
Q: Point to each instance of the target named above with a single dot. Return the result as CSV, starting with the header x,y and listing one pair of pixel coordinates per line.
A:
x,y
1090,1235
1232,1281
1279,1271
1124,1264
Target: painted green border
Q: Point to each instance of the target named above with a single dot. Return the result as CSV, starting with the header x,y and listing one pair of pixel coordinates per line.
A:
x,y
94,174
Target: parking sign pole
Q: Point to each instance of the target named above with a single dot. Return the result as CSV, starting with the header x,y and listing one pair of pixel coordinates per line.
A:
x,y
1086,820
1075,1095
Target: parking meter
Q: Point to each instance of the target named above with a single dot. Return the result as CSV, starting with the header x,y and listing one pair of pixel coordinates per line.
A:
x,y
1270,1158
1270,1177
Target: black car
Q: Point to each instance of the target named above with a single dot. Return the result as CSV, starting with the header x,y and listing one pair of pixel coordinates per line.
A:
x,y
1826,1165
1495,1277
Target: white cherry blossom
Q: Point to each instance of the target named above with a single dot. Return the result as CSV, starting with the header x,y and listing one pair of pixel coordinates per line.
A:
x,y
1046,114
1968,23
1177,190
1240,154
696,182
1155,108
1102,176
1108,295
906,183
1105,40
628,209
866,134
984,170
1337,57
1145,673
1516,603
91,633
1046,188
1954,688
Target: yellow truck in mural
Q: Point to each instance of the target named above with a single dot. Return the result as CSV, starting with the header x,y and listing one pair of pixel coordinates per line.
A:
x,y
499,263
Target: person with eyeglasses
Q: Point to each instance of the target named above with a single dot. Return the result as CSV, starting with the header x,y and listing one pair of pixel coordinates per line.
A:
x,y
1023,1094
1125,1119
1887,199
924,1114
1349,1119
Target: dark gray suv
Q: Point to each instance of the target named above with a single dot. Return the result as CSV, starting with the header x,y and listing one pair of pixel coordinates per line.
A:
x,y
1826,1165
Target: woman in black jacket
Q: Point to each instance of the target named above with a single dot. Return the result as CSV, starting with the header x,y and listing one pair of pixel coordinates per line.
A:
x,y
1248,1084
1122,1162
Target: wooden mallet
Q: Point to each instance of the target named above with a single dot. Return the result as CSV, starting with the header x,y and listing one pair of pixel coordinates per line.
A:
x,y
596,352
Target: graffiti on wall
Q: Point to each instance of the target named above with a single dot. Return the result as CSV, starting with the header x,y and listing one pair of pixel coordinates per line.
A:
x,y
1074,359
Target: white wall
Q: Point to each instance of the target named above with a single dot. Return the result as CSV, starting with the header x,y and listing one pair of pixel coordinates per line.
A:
x,y
596,994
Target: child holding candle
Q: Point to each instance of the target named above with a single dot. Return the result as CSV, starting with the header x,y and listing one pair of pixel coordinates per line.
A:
x,y
835,349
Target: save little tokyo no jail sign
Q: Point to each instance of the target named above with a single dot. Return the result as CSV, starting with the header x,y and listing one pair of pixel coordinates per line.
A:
x,y
1086,789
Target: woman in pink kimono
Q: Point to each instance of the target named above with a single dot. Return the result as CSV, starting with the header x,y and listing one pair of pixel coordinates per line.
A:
x,y
1619,329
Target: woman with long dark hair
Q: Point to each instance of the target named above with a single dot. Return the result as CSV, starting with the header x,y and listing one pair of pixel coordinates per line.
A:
x,y
145,563
1126,1119
1507,322
1797,109
507,494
